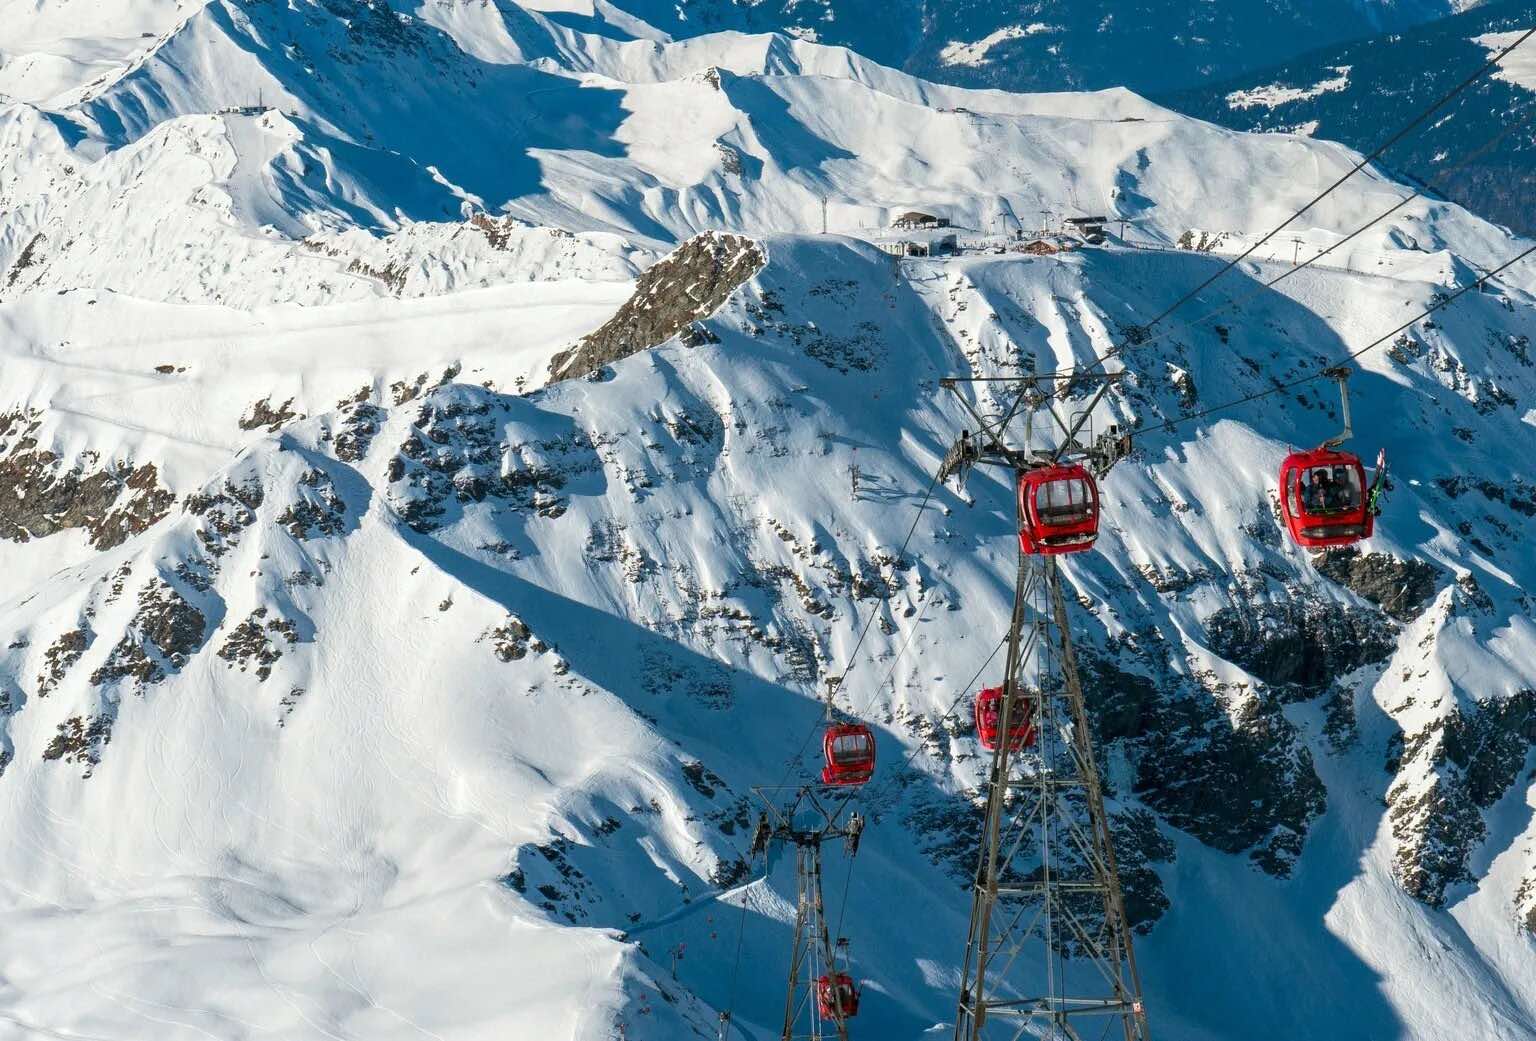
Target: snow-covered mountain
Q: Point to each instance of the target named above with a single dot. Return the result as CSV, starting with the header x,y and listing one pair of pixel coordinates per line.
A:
x,y
1480,151
427,451
1041,45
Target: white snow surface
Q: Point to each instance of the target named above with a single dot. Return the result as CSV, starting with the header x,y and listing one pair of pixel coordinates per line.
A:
x,y
1520,67
1274,95
398,834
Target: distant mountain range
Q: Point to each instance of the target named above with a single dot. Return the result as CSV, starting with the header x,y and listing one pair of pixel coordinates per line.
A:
x,y
1360,92
1149,45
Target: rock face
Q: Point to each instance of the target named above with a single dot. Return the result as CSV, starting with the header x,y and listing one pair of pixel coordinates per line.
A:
x,y
463,449
1304,643
40,494
1215,760
1400,588
164,633
688,285
1449,772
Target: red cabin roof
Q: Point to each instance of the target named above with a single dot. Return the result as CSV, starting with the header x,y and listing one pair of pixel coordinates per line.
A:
x,y
850,753
1323,498
989,713
837,997
1058,509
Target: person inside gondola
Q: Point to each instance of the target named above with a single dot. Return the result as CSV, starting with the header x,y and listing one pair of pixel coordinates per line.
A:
x,y
1317,492
1346,489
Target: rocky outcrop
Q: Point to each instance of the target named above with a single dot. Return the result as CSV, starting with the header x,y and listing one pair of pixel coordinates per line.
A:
x,y
1401,588
40,494
456,455
318,511
255,643
264,415
61,655
165,631
1304,642
1449,772
80,740
1218,761
684,287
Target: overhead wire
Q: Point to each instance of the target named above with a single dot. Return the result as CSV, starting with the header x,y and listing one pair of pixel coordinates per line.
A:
x,y
1438,305
1235,302
1375,154
1143,335
853,661
837,685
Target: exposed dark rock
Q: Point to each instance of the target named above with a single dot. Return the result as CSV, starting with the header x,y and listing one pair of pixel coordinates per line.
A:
x,y
80,740
687,285
1518,495
255,642
1139,845
263,414
1305,642
360,422
510,641
319,510
1219,762
1242,782
61,655
31,256
1401,588
39,495
1466,763
860,348
163,634
225,513
455,454
288,703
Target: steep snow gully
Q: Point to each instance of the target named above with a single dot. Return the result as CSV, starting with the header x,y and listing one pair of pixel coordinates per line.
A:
x,y
450,487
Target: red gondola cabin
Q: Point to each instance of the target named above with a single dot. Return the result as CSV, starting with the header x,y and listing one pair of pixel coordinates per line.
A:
x,y
837,997
1323,498
1058,510
989,712
850,752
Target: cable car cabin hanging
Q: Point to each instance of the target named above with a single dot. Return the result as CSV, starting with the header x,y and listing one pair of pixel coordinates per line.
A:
x,y
1324,498
989,720
837,997
850,753
1058,509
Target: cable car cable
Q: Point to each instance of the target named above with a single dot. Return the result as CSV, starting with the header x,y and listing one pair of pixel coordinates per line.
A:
x,y
964,689
1310,377
810,735
1413,124
1144,329
1233,303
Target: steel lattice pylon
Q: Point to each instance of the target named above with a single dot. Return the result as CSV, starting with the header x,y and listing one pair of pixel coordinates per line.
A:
x,y
1049,941
1049,944
806,823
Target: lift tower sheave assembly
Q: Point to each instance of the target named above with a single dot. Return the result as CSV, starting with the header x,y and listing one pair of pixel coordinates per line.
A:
x,y
1049,943
820,997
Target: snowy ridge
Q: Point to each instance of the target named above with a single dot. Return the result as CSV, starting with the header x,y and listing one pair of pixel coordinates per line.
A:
x,y
413,694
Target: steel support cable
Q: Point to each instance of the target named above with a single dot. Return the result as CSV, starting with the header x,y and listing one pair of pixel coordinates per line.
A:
x,y
853,657
842,907
1233,303
879,789
1322,374
1412,125
1220,309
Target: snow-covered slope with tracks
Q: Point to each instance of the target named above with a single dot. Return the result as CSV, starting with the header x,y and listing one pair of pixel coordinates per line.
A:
x,y
356,680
